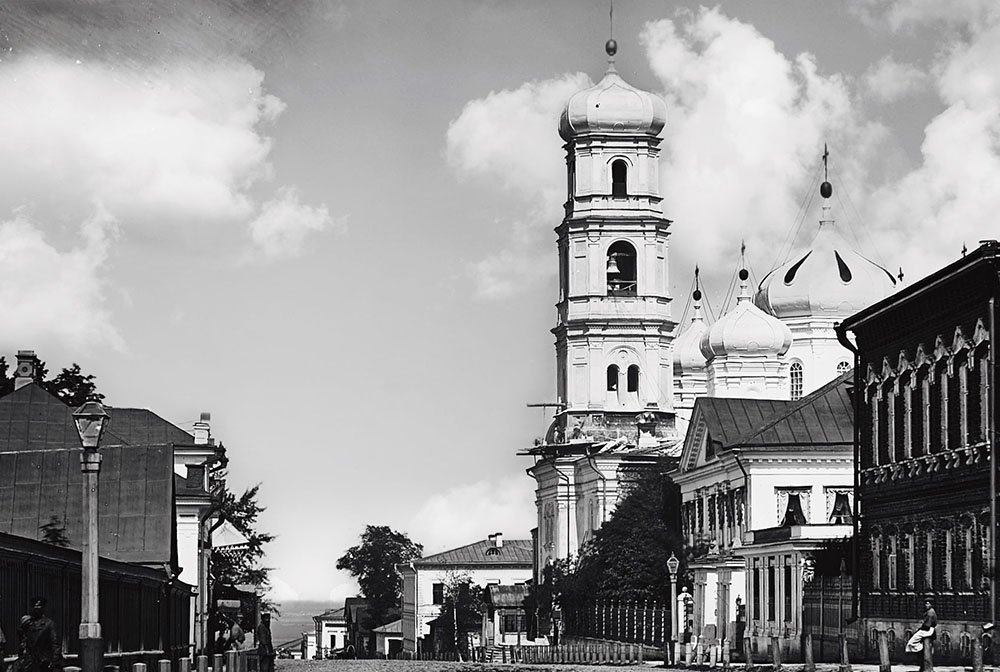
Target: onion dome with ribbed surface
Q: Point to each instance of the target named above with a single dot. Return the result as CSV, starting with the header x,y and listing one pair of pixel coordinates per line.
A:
x,y
612,106
828,278
746,330
687,345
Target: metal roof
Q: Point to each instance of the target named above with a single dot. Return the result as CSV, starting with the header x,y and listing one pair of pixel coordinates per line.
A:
x,y
823,417
135,499
32,418
140,426
507,596
513,552
728,418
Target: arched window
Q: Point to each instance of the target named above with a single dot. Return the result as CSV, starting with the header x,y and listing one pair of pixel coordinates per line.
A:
x,y
613,378
621,269
795,376
619,179
632,385
843,367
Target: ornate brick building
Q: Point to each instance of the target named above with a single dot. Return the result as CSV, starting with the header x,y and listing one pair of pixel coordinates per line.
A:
x,y
926,464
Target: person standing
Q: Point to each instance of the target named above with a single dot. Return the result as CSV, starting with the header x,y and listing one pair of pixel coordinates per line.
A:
x,y
927,627
265,647
40,644
236,635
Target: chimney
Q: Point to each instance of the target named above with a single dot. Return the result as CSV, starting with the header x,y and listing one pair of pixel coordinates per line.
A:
x,y
25,372
202,430
497,539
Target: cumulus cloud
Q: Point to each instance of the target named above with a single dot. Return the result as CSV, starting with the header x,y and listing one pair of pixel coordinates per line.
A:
x,y
177,150
509,138
181,145
49,295
889,80
470,511
746,126
283,224
951,198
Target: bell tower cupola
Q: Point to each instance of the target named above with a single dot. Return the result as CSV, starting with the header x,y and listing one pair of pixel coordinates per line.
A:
x,y
614,330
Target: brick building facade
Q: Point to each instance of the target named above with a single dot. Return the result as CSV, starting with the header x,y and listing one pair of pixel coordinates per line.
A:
x,y
925,463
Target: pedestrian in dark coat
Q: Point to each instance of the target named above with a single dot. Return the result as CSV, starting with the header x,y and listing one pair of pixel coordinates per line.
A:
x,y
40,648
265,648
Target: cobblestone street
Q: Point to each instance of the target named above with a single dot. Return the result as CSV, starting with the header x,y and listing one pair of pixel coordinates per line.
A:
x,y
436,666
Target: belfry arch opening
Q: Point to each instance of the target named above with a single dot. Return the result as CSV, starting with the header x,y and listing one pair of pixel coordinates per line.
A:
x,y
619,179
621,266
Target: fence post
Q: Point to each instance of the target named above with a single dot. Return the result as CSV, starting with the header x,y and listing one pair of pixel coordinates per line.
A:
x,y
928,665
184,664
138,667
201,663
163,665
231,664
977,654
883,652
845,658
217,662
748,654
713,656
807,653
725,653
776,653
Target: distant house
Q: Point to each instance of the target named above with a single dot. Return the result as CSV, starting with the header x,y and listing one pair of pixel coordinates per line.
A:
x,y
331,633
489,561
358,639
506,621
389,639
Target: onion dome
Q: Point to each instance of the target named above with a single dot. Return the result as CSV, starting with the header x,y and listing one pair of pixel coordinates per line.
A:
x,y
612,106
828,278
687,345
746,330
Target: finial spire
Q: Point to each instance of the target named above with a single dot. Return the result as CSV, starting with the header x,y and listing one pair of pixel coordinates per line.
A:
x,y
964,249
826,189
696,295
611,47
743,275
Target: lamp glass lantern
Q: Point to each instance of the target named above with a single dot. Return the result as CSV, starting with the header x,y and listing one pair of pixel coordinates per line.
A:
x,y
90,419
673,564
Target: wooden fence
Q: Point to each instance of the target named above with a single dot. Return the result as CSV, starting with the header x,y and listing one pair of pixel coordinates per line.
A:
x,y
826,608
143,614
628,622
584,653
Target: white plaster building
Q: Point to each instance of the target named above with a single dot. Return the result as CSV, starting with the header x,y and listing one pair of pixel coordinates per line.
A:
x,y
614,332
330,633
488,562
763,483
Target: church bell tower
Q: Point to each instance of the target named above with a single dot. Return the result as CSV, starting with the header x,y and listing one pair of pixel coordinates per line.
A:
x,y
614,331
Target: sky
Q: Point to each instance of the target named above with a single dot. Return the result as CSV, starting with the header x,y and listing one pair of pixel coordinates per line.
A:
x,y
330,223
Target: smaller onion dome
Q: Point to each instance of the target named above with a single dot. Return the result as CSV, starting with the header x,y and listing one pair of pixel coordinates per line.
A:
x,y
828,278
612,106
687,345
746,330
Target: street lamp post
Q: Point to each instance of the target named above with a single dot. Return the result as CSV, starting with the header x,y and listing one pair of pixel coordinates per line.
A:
x,y
673,564
90,419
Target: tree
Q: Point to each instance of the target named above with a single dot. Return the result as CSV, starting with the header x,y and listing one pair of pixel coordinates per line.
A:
x,y
627,558
462,611
229,568
54,532
373,563
73,387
